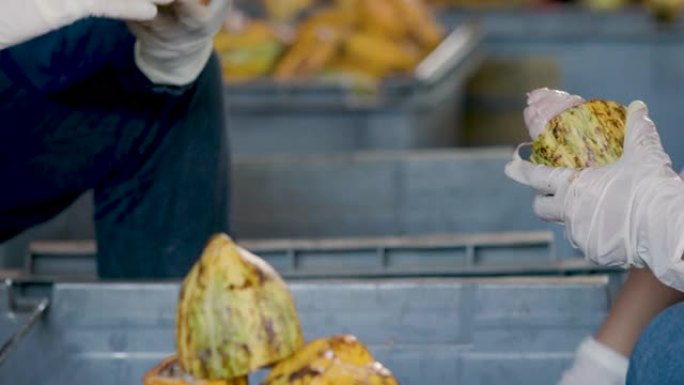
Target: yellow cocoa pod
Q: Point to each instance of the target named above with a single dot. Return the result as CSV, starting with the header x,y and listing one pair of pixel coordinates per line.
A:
x,y
246,63
253,33
248,51
421,23
286,10
350,8
338,18
383,18
310,54
379,54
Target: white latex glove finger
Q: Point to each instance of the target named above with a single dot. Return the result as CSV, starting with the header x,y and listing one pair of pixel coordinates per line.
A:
x,y
596,364
641,138
544,104
548,208
546,180
122,9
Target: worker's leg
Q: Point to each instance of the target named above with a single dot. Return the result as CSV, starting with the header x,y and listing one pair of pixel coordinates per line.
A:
x,y
156,157
658,357
154,218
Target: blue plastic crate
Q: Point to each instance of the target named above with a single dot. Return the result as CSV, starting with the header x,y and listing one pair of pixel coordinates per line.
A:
x,y
428,331
418,111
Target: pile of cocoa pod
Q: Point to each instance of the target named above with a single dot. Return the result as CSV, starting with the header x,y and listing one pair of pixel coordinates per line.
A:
x,y
236,315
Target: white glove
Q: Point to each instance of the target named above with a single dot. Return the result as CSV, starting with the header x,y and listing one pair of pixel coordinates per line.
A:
x,y
596,364
628,213
174,48
21,20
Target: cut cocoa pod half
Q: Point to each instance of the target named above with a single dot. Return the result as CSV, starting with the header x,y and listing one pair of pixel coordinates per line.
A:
x,y
588,135
339,360
235,314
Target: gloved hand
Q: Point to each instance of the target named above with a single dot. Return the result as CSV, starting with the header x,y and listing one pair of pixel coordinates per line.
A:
x,y
173,48
596,364
21,20
628,213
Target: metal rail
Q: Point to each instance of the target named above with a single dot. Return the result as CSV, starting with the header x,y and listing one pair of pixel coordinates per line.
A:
x,y
405,256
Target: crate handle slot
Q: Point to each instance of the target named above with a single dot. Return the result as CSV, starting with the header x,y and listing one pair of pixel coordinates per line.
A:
x,y
454,49
35,308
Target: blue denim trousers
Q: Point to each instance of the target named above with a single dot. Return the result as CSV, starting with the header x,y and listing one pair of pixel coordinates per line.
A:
x,y
658,357
77,115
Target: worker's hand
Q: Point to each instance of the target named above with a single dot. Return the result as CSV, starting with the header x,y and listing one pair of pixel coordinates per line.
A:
x,y
173,48
596,364
21,20
628,213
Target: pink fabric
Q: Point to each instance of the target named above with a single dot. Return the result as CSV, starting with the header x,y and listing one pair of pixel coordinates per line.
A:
x,y
543,104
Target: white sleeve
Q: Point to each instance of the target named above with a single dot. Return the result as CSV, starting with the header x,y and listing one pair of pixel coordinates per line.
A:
x,y
21,20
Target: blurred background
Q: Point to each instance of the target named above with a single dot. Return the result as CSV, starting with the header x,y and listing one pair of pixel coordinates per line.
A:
x,y
369,140
334,105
